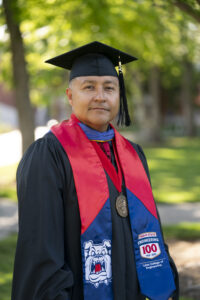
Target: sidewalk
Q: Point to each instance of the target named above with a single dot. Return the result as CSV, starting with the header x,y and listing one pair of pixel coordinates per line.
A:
x,y
11,145
169,214
178,213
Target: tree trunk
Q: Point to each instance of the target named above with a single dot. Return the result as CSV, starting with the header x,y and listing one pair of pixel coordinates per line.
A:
x,y
186,98
20,74
154,111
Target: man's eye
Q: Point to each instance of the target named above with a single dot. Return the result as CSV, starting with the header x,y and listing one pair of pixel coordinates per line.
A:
x,y
109,88
89,87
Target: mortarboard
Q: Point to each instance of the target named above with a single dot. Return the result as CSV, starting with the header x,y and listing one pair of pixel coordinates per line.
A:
x,y
97,59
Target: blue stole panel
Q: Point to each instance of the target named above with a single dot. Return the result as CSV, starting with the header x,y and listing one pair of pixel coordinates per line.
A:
x,y
96,244
152,263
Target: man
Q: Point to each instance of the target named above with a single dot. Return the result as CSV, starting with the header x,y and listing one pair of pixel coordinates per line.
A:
x,y
88,225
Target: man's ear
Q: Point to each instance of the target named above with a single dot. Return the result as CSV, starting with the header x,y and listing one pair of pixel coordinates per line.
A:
x,y
69,95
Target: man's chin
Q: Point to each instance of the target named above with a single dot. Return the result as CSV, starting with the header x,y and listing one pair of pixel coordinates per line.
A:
x,y
99,124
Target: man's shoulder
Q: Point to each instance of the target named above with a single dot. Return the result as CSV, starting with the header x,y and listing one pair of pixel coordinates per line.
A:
x,y
48,142
48,138
136,146
42,148
141,155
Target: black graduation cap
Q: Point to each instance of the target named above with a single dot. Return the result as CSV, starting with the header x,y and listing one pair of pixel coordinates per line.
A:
x,y
97,59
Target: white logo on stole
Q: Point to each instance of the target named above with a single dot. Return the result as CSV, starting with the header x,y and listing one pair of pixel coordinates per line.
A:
x,y
98,262
149,245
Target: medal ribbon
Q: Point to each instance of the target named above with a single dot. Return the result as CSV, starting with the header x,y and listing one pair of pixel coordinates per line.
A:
x,y
106,149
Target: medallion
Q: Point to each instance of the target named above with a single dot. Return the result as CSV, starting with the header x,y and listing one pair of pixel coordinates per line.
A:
x,y
122,206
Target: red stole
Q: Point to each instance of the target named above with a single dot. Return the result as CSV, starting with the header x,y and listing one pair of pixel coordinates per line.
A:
x,y
82,154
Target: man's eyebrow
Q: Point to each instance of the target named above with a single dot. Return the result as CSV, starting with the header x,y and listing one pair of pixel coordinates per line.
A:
x,y
110,82
88,81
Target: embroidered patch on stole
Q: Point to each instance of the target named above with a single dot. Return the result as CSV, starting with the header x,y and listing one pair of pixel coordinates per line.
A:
x,y
98,262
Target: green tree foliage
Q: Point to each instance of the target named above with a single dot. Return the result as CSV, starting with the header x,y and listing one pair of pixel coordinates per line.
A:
x,y
156,32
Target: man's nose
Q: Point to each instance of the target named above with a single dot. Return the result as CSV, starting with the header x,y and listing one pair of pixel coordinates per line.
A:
x,y
100,95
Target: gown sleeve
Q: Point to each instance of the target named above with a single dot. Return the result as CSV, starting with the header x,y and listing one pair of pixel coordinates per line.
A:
x,y
175,295
40,269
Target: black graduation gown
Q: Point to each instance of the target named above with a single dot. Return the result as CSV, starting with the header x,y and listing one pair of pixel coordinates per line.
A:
x,y
48,254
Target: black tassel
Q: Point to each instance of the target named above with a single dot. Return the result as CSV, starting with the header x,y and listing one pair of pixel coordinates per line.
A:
x,y
124,117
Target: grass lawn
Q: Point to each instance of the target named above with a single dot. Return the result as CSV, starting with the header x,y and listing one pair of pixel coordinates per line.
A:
x,y
175,170
182,231
8,182
7,252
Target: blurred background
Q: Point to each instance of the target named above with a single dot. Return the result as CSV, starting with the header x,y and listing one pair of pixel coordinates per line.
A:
x,y
163,91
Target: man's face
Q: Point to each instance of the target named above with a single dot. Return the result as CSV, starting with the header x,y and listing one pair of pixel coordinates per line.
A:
x,y
94,100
